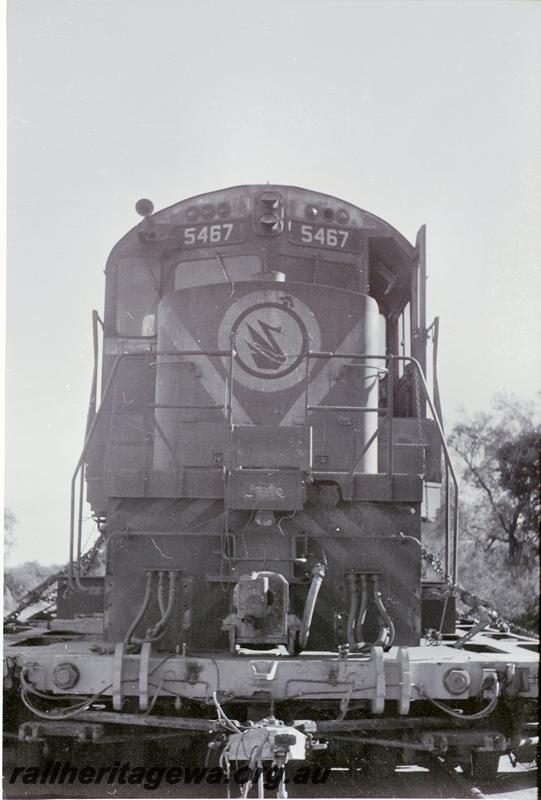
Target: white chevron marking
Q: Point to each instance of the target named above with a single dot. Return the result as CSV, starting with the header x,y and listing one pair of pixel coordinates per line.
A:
x,y
320,386
210,378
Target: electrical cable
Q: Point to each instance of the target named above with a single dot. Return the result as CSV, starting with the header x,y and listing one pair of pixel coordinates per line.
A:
x,y
356,617
155,696
384,614
159,628
160,592
318,574
142,611
71,712
361,616
286,516
222,716
459,714
352,615
479,715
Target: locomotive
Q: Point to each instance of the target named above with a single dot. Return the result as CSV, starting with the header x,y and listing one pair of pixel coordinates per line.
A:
x,y
259,443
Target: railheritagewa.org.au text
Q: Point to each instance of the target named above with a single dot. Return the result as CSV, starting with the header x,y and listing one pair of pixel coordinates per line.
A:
x,y
150,778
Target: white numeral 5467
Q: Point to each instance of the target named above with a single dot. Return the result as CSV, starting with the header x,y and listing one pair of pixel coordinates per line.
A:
x,y
329,237
208,233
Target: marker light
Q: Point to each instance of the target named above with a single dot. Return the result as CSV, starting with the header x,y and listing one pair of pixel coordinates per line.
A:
x,y
144,207
269,199
269,220
269,212
208,211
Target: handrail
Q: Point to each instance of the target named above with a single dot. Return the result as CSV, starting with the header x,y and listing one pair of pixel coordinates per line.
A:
x,y
74,575
451,565
94,384
449,470
232,354
74,569
89,420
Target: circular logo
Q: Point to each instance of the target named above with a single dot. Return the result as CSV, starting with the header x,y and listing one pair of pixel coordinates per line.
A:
x,y
271,334
270,340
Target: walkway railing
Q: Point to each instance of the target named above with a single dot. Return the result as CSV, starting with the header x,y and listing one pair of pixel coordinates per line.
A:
x,y
451,513
451,499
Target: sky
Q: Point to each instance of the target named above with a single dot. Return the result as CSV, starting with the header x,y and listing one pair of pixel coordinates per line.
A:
x,y
421,112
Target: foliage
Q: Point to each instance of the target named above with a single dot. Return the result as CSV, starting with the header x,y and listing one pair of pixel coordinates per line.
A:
x,y
498,460
511,589
20,579
499,455
10,521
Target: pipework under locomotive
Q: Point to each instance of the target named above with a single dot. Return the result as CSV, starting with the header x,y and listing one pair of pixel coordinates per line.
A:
x,y
259,442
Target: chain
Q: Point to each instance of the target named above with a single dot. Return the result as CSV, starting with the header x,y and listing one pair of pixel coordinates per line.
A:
x,y
436,565
418,409
46,590
469,599
88,558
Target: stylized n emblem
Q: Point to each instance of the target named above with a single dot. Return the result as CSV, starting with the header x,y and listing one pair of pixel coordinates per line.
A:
x,y
265,350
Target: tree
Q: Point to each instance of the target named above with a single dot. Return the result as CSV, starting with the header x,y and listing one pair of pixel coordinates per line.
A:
x,y
499,452
10,521
497,457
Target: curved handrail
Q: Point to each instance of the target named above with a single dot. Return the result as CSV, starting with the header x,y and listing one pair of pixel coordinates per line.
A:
x,y
74,574
448,462
451,565
74,565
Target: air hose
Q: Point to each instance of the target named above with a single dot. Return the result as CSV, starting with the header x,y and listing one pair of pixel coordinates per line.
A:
x,y
318,573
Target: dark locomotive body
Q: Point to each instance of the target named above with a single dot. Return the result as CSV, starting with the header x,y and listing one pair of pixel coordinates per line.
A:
x,y
272,459
257,456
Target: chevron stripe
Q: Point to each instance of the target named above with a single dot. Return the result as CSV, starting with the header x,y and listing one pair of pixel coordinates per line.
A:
x,y
210,378
320,385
